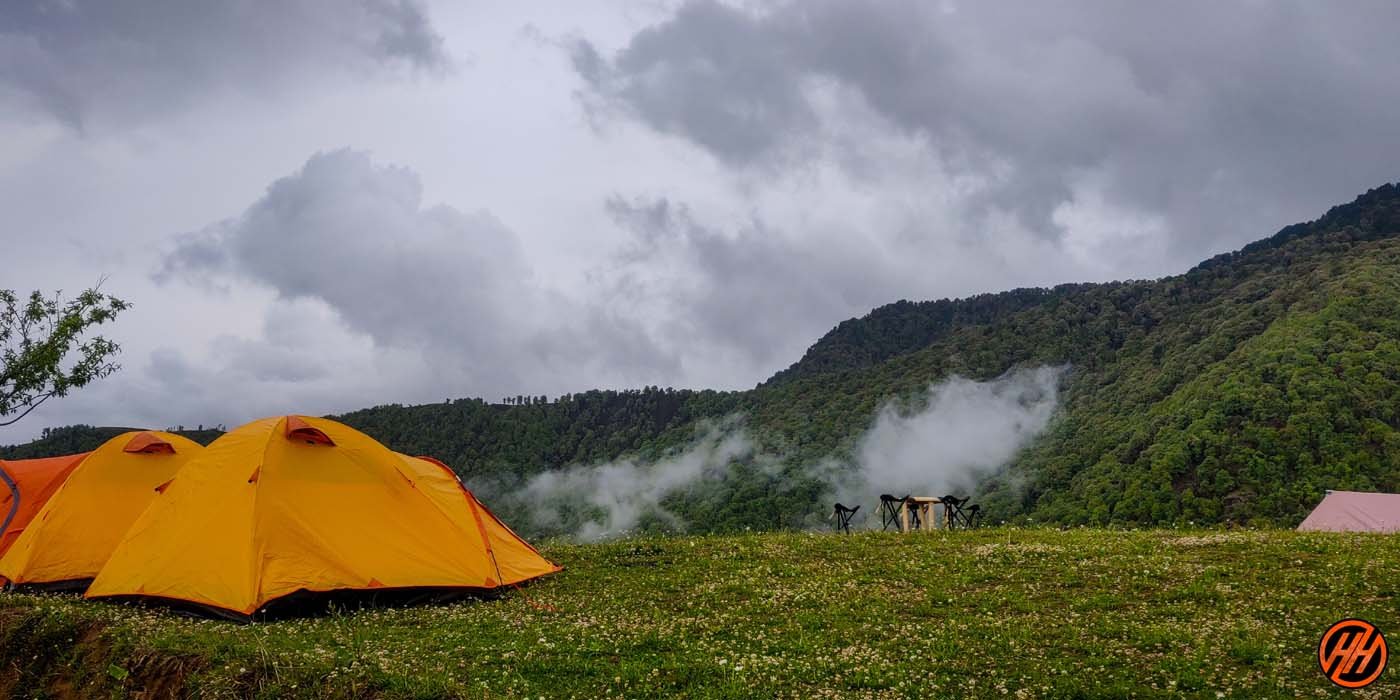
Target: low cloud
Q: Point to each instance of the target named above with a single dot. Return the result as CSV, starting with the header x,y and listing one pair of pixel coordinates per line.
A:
x,y
758,289
453,286
755,291
965,431
612,499
960,432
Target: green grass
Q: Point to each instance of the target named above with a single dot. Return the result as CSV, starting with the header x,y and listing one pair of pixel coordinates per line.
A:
x,y
993,613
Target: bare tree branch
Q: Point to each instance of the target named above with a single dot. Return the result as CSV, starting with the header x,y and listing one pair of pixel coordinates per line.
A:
x,y
32,406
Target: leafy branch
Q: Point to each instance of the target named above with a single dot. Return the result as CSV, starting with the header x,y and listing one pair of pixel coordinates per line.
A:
x,y
38,339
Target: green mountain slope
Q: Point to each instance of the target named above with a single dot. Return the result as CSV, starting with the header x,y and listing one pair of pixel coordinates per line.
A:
x,y
1236,392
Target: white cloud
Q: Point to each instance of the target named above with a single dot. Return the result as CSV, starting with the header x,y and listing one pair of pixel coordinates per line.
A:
x,y
625,491
965,431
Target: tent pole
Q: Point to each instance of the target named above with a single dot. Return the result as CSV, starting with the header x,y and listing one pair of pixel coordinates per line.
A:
x,y
14,504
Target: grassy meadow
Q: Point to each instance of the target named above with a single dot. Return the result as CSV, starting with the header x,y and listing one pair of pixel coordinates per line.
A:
x,y
999,612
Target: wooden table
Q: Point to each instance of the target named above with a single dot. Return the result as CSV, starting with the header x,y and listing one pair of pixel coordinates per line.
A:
x,y
925,505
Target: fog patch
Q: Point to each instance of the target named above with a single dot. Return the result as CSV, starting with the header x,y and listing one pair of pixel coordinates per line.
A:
x,y
965,431
944,442
602,501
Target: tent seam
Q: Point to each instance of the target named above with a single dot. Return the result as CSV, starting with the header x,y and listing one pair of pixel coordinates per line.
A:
x,y
14,504
253,514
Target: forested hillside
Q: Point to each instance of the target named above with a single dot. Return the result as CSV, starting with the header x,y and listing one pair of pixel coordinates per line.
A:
x,y
1236,392
72,439
511,442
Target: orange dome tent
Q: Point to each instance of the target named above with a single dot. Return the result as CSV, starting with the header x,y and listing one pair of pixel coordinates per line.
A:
x,y
515,560
72,535
29,483
291,505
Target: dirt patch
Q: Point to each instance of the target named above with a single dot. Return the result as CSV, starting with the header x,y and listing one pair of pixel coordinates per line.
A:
x,y
160,676
80,660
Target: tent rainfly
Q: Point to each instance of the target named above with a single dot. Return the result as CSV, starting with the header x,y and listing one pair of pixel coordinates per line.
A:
x,y
72,535
292,507
1354,511
28,485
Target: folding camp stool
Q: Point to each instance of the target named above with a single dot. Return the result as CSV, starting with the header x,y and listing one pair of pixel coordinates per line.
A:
x,y
843,515
889,511
952,510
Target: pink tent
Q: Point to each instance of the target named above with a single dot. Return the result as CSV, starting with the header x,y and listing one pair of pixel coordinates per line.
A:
x,y
1354,511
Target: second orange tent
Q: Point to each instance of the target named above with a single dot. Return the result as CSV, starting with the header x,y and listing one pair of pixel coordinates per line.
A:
x,y
295,504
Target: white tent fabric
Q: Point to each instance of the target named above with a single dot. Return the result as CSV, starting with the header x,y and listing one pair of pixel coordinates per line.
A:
x,y
1354,511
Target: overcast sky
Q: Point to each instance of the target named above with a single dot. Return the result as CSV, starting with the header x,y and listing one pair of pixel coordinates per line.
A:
x,y
318,205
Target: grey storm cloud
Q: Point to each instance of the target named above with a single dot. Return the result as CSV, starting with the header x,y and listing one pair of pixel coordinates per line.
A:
x,y
128,60
357,236
756,290
354,235
748,175
1219,118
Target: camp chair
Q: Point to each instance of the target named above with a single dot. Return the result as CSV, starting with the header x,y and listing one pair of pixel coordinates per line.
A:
x,y
843,517
889,511
953,506
970,515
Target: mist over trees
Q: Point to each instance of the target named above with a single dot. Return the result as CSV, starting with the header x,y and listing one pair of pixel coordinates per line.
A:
x,y
1234,393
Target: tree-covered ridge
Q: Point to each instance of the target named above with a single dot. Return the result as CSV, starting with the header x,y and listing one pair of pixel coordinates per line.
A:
x,y
1236,392
511,442
72,439
905,326
505,442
